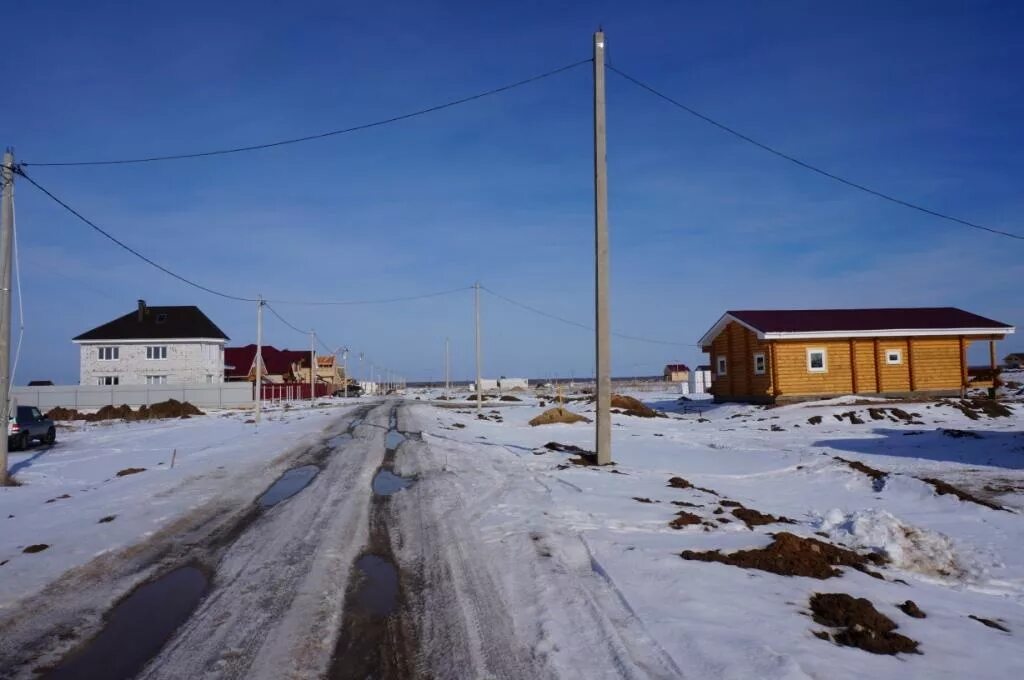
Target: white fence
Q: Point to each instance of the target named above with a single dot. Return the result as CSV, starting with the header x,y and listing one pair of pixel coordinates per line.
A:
x,y
231,394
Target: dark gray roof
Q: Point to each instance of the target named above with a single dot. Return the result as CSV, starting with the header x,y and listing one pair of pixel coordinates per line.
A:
x,y
157,323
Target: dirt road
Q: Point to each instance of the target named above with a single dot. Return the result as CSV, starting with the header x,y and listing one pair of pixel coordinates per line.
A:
x,y
341,569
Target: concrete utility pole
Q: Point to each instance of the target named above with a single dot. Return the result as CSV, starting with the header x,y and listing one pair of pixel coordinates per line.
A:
x,y
479,387
344,369
602,311
6,238
312,366
447,367
258,360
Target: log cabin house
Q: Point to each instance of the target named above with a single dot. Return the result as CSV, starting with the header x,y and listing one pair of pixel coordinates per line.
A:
x,y
771,356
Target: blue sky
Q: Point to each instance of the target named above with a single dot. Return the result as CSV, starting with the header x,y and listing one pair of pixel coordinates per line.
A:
x,y
919,99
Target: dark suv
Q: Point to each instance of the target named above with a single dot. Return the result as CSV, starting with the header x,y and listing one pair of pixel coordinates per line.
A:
x,y
29,424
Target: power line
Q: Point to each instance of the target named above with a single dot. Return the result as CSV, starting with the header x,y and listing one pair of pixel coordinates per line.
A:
x,y
577,324
285,321
331,133
379,301
131,250
808,166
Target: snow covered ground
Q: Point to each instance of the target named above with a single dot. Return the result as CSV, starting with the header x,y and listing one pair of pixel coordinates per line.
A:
x,y
72,500
536,519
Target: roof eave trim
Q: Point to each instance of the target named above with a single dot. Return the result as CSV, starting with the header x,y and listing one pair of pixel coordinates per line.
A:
x,y
79,341
720,325
890,333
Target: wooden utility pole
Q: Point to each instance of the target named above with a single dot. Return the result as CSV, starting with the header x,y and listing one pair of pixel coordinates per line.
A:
x,y
601,288
258,360
447,367
479,387
344,369
6,239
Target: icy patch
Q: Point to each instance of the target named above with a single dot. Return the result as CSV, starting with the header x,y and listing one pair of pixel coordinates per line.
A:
x,y
907,547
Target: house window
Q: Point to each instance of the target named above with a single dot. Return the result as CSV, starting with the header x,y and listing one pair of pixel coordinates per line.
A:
x,y
209,378
817,360
107,380
760,367
894,356
156,379
156,352
722,364
109,353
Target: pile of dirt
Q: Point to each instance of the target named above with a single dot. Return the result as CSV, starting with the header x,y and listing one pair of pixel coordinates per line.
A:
x,y
61,413
172,408
110,413
509,397
894,414
791,555
566,448
38,547
683,519
752,518
976,407
911,609
945,488
634,407
877,476
814,420
130,471
680,483
852,415
862,625
989,622
558,415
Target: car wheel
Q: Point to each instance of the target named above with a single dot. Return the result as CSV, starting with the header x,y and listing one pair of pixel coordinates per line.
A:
x,y
51,436
25,442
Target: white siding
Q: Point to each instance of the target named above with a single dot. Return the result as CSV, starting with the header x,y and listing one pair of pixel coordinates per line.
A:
x,y
187,362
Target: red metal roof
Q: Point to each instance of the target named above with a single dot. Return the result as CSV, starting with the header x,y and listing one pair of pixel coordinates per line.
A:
x,y
823,320
275,361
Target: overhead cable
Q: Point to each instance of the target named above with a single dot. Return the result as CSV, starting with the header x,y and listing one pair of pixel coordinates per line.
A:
x,y
808,166
322,135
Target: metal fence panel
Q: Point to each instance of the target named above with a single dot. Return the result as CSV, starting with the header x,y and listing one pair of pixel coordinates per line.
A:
x,y
203,395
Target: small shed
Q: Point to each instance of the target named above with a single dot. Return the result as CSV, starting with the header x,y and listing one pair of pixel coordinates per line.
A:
x,y
677,373
786,355
700,380
1014,360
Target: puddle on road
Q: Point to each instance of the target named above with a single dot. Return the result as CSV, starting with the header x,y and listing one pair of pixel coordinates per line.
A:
x,y
338,440
137,628
387,483
393,439
287,485
377,592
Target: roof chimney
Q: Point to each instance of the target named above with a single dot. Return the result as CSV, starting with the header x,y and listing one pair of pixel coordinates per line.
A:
x,y
142,310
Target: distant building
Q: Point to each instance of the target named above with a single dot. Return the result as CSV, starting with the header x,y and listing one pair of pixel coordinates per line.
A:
x,y
501,385
1015,360
153,346
40,383
700,380
278,366
678,373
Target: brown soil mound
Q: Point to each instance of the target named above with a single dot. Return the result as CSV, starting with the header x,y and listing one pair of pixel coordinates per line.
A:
x,y
679,483
863,626
642,499
129,471
945,488
172,408
566,448
753,518
974,408
60,413
852,415
790,555
509,397
683,519
877,476
558,415
108,518
38,547
988,622
110,413
633,407
814,420
911,609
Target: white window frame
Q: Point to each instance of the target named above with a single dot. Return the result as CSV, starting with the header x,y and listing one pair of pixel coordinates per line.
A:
x,y
108,380
764,363
721,365
156,352
899,357
156,379
824,359
112,352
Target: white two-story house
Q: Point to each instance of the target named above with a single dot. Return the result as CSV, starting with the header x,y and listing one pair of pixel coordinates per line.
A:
x,y
154,346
